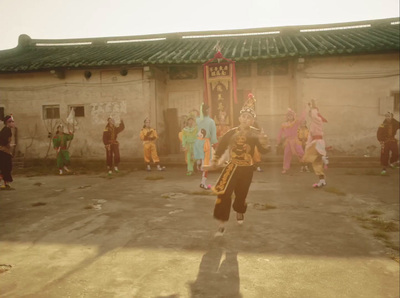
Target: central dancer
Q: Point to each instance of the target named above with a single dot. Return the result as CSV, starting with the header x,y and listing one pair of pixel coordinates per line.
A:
x,y
237,175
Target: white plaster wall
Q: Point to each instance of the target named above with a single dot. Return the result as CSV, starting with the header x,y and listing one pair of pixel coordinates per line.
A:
x,y
348,91
274,95
105,93
185,95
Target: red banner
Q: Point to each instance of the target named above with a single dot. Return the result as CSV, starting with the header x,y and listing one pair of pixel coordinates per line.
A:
x,y
220,88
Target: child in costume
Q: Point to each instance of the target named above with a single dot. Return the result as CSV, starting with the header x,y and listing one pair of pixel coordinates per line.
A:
x,y
386,135
149,136
237,175
202,147
189,135
302,135
6,149
288,136
60,144
180,137
315,147
257,155
111,144
210,138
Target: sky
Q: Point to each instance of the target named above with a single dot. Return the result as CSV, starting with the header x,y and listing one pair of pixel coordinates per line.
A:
x,y
66,19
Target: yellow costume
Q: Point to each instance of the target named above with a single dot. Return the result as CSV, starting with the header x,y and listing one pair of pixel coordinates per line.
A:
x,y
149,136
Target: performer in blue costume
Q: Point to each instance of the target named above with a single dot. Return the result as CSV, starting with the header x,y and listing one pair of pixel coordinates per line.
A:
x,y
208,124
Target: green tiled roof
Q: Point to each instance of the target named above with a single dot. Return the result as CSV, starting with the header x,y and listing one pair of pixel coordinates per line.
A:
x,y
195,48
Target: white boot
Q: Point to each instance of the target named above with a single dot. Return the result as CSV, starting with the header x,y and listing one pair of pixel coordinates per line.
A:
x,y
239,218
320,183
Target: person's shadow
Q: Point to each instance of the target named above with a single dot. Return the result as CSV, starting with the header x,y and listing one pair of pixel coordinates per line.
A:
x,y
216,278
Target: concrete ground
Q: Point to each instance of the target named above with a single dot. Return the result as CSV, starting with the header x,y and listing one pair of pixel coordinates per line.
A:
x,y
140,234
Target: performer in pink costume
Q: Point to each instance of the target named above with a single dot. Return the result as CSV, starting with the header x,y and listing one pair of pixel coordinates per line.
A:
x,y
288,135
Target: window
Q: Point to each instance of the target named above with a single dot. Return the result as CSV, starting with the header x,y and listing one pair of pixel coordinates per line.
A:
x,y
1,113
79,110
51,112
272,67
243,70
182,72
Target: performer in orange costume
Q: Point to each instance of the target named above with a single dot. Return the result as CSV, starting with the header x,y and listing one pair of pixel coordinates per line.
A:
x,y
149,136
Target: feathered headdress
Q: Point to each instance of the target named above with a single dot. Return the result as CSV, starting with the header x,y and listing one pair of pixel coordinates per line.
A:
x,y
8,118
313,105
291,112
249,105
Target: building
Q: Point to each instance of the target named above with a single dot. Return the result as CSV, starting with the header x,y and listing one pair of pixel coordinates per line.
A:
x,y
352,69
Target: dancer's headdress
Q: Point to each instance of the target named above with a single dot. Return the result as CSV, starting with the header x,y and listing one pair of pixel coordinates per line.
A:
x,y
203,110
7,118
291,112
313,105
249,105
191,115
390,114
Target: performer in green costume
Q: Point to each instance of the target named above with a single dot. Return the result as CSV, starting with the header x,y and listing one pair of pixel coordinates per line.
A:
x,y
189,137
60,141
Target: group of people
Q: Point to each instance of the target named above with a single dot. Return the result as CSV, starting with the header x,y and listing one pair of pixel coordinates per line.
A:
x,y
308,145
199,136
242,141
148,135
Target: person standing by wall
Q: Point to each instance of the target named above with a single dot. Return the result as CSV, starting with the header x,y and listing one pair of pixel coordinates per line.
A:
x,y
6,149
60,144
302,135
149,136
386,135
208,124
111,144
288,136
189,135
315,148
257,154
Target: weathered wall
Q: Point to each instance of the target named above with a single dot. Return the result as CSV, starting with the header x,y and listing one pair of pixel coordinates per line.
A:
x,y
274,94
352,93
105,93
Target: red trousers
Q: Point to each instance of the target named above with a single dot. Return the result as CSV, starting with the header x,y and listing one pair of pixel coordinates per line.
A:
x,y
112,155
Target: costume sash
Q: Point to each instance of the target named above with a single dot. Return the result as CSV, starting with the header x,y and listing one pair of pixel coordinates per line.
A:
x,y
224,179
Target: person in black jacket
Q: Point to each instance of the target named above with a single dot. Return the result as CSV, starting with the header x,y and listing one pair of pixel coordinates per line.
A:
x,y
386,135
112,146
236,177
6,152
